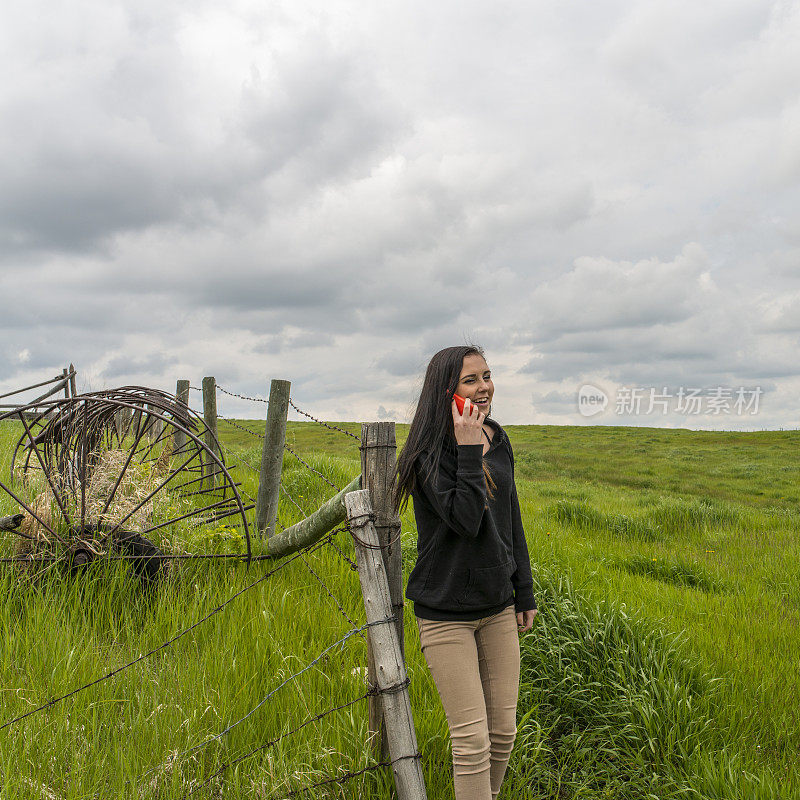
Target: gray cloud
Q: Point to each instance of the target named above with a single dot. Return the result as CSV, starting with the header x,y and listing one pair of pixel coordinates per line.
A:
x,y
131,146
391,414
293,340
401,363
604,192
151,364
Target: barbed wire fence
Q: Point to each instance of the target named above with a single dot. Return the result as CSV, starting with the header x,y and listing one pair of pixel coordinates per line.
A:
x,y
297,542
256,471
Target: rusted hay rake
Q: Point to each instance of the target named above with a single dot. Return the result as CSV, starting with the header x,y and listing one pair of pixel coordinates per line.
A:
x,y
103,473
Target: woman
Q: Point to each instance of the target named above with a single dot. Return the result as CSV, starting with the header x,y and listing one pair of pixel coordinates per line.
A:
x,y
471,586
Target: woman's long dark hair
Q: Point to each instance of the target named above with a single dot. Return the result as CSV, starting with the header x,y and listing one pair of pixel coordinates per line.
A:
x,y
432,427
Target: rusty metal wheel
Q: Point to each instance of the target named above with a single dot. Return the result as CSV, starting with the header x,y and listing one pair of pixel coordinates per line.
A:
x,y
100,473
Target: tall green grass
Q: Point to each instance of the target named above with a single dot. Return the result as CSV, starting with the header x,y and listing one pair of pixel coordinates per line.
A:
x,y
615,707
662,664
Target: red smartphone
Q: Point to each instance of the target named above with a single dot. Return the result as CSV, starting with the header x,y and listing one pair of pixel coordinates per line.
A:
x,y
459,403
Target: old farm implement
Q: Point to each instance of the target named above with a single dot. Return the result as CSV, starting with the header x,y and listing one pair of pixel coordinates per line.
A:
x,y
129,473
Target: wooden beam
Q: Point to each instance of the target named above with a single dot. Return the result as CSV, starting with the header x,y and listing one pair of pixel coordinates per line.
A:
x,y
313,527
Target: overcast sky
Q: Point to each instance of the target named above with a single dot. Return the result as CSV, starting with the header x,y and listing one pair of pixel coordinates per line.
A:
x,y
600,193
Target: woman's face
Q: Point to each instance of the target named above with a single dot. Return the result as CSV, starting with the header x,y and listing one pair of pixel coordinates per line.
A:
x,y
475,382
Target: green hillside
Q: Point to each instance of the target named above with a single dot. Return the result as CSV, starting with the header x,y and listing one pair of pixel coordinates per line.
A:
x,y
663,663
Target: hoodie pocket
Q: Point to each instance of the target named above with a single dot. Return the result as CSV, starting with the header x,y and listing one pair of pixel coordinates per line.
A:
x,y
487,586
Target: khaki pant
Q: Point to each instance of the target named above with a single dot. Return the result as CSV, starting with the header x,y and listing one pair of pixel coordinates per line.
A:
x,y
475,666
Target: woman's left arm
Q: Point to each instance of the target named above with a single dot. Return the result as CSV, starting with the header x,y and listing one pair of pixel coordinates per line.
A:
x,y
522,579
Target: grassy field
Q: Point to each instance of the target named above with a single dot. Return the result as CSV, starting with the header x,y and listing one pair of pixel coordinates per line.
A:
x,y
664,662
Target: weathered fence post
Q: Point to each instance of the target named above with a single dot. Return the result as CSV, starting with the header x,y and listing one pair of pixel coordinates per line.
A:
x,y
269,478
378,456
153,423
210,416
72,382
182,396
123,420
65,373
157,428
390,666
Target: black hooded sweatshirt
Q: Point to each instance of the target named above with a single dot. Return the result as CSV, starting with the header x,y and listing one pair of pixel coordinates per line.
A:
x,y
472,557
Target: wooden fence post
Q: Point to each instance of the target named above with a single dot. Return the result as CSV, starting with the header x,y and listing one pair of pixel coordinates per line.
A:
x,y
182,396
269,478
157,428
378,456
72,382
390,667
65,373
210,416
123,420
152,423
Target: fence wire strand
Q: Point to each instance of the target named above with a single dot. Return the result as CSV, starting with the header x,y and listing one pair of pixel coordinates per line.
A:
x,y
242,396
308,466
259,436
293,676
272,742
324,424
347,776
167,643
330,594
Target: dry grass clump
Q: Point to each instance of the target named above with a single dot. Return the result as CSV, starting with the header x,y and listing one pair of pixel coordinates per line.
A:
x,y
139,481
136,484
34,534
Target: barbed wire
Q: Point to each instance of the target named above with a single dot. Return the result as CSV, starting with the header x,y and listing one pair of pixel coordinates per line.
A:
x,y
308,466
286,446
257,471
259,436
242,396
338,778
239,459
348,775
371,517
305,516
169,642
324,424
226,765
349,560
330,594
215,737
329,539
293,501
327,425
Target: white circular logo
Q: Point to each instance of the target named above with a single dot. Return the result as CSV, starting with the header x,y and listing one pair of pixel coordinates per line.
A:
x,y
591,400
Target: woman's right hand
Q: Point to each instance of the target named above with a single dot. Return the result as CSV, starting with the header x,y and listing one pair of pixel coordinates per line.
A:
x,y
469,425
